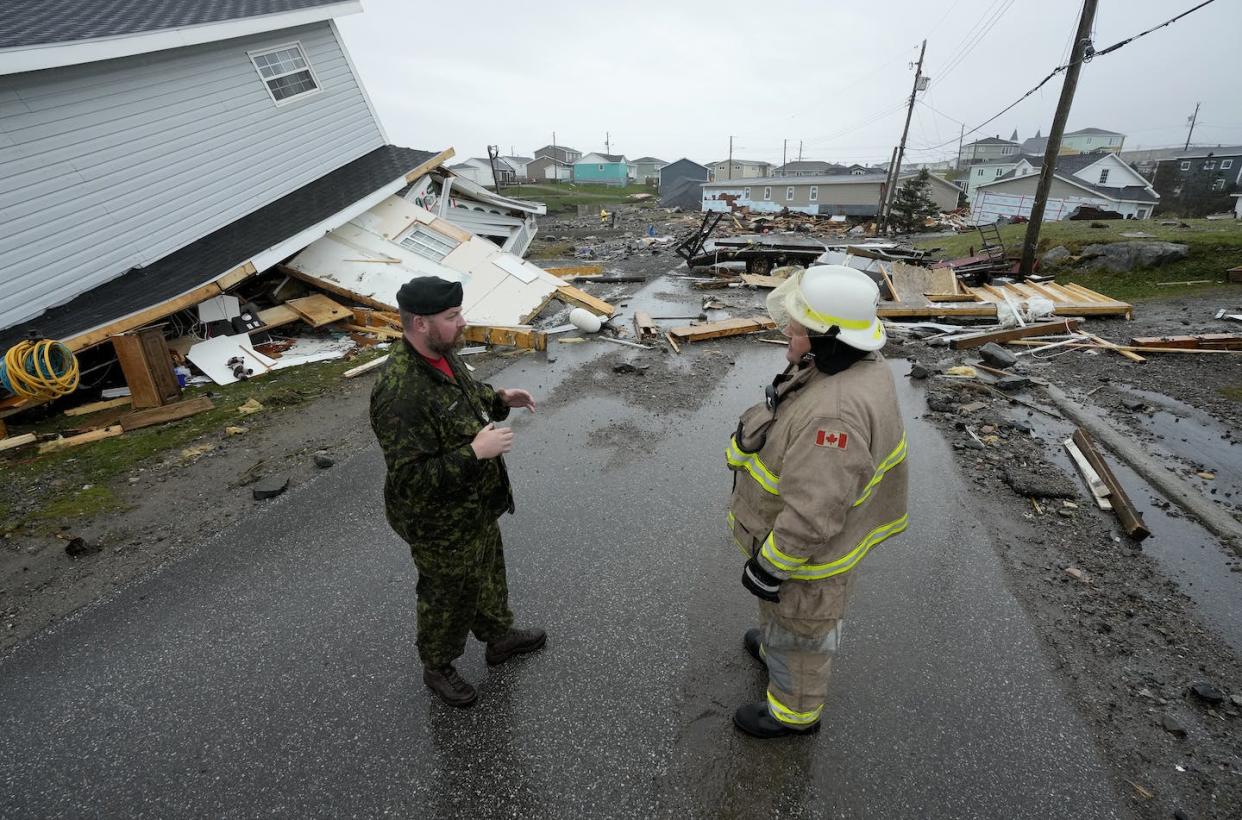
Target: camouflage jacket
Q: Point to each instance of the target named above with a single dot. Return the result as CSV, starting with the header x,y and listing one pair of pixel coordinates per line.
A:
x,y
436,487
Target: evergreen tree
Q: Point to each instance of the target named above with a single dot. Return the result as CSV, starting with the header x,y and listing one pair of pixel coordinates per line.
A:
x,y
912,203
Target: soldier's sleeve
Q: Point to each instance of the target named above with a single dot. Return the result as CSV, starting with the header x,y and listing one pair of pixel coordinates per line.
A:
x,y
825,470
492,401
410,437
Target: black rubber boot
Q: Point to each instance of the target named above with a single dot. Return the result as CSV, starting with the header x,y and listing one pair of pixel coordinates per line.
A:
x,y
450,687
517,642
753,640
755,720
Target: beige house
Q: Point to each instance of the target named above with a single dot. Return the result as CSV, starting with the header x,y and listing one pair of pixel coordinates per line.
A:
x,y
739,169
850,195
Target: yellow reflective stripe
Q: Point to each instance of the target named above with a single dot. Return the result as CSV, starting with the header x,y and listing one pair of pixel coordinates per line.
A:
x,y
778,558
848,324
741,547
894,458
814,572
786,715
751,464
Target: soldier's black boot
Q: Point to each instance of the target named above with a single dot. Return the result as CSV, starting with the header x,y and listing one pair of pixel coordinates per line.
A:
x,y
446,683
516,642
755,720
753,641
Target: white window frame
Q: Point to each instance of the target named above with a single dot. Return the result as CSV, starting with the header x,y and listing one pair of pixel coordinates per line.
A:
x,y
1000,172
1226,164
814,193
1218,184
1210,165
1185,165
254,55
1103,176
767,193
428,242
789,193
745,193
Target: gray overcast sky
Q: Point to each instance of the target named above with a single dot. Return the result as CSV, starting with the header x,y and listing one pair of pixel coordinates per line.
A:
x,y
672,79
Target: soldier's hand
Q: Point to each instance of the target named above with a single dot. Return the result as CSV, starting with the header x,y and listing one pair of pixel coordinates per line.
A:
x,y
492,441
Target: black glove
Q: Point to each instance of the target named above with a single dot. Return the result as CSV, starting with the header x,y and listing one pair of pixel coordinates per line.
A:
x,y
761,583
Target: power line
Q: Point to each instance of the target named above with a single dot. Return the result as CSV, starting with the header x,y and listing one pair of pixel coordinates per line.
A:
x,y
961,54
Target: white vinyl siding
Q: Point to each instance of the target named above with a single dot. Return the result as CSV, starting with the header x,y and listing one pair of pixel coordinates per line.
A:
x,y
285,71
426,242
111,165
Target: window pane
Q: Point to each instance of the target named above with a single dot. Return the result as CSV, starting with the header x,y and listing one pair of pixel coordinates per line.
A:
x,y
291,85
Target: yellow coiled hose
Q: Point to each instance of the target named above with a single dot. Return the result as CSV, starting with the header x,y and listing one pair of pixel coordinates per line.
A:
x,y
39,370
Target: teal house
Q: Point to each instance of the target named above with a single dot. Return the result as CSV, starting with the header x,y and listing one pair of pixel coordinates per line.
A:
x,y
602,169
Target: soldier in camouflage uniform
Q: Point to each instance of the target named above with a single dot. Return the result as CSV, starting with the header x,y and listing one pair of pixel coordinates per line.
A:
x,y
447,486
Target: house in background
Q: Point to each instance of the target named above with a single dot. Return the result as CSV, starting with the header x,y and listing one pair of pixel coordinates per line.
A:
x,y
829,195
990,172
479,171
602,169
560,153
519,164
1199,182
647,169
988,149
809,168
1100,180
739,168
1091,140
146,170
547,169
681,184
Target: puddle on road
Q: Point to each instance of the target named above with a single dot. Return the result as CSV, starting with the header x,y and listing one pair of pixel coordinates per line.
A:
x,y
1188,554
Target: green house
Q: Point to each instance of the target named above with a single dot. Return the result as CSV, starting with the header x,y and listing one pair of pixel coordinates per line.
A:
x,y
602,169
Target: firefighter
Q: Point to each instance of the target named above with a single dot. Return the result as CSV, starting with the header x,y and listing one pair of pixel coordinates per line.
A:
x,y
819,480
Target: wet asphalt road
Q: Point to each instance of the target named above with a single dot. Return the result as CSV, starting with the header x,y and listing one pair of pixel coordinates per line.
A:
x,y
273,671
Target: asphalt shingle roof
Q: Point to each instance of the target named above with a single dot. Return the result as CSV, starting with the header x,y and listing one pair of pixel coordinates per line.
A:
x,y
199,262
40,22
1071,164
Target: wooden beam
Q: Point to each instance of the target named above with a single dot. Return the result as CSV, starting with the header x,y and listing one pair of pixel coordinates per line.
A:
x,y
1000,336
375,330
96,406
672,342
575,296
1092,346
1129,516
364,368
1099,490
1121,351
721,329
897,310
17,441
430,165
1206,341
576,270
86,438
277,317
644,325
169,412
318,310
951,297
523,337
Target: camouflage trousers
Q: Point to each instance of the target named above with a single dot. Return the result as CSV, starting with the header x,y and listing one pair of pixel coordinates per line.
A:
x,y
800,636
461,589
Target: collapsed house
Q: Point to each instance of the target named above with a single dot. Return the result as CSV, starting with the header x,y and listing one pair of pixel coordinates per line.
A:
x,y
831,195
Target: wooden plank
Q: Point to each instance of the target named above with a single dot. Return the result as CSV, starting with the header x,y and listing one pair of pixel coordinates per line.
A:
x,y
277,317
575,296
896,310
1128,354
1099,490
86,438
318,310
430,164
1000,336
1207,341
17,441
523,337
169,412
721,329
756,280
951,297
96,406
1129,516
888,283
644,325
576,270
1093,346
672,342
375,330
364,368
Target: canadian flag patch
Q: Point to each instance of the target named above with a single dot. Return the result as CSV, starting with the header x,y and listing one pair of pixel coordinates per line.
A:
x,y
827,438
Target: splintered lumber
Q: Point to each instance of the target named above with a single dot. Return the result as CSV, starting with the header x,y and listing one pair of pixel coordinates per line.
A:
x,y
756,280
898,310
1129,516
277,317
1086,345
96,406
364,368
576,270
576,296
169,412
318,310
1203,341
718,330
1008,335
644,325
376,330
1099,490
523,337
672,342
1119,349
86,438
17,441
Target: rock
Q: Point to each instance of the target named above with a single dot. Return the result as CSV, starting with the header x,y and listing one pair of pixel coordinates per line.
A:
x,y
1146,693
270,487
941,405
1172,726
1206,692
1011,384
1121,257
322,460
1055,256
971,444
997,356
919,371
1134,405
1076,573
973,407
625,367
78,547
1031,484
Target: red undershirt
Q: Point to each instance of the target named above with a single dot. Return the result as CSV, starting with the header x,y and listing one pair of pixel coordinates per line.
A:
x,y
440,364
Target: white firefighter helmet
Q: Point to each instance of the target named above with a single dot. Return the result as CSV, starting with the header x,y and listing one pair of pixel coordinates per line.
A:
x,y
827,296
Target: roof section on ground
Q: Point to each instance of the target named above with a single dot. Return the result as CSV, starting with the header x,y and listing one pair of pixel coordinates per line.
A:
x,y
41,22
217,253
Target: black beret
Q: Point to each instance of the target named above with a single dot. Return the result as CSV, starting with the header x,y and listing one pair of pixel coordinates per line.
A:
x,y
428,295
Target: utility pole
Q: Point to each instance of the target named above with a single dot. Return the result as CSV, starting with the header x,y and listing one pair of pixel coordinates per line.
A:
x,y
957,163
1081,41
556,169
607,143
799,150
730,158
784,153
895,172
1193,117
493,151
888,179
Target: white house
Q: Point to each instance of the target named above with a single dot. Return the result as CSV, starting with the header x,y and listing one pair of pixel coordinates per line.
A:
x,y
1095,180
147,159
990,172
479,171
833,194
738,169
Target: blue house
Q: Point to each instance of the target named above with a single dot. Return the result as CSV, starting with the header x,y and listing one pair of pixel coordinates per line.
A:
x,y
602,169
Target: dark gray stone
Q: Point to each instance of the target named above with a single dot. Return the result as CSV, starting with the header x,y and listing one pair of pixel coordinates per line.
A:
x,y
1171,726
322,460
1121,257
1206,692
1031,484
1055,257
1010,384
79,546
997,356
270,487
919,371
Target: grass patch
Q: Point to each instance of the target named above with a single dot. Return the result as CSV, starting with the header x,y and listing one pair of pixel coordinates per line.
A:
x,y
1234,393
568,196
77,504
551,250
1215,246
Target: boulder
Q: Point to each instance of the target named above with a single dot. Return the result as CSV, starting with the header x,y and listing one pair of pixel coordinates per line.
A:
x,y
1121,257
1054,257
